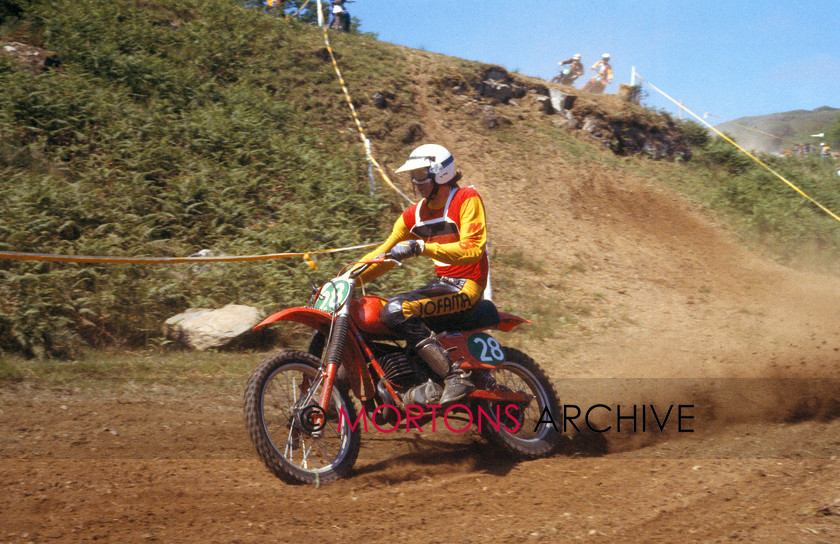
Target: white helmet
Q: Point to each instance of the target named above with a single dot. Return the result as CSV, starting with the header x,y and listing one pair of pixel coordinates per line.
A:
x,y
605,56
436,158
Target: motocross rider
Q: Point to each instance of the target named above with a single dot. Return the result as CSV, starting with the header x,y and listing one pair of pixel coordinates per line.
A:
x,y
603,69
447,225
577,66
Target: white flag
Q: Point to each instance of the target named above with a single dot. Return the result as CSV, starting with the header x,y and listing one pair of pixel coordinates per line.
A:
x,y
820,135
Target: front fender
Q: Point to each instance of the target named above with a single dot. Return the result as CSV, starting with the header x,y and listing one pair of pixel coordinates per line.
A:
x,y
310,317
354,363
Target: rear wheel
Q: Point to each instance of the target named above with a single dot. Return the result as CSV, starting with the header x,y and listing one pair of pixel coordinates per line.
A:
x,y
593,87
521,431
281,426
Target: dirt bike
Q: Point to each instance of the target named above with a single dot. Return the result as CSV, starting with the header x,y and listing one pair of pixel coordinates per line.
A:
x,y
566,76
595,85
298,406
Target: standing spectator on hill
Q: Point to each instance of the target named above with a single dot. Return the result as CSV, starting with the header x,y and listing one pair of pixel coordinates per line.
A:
x,y
338,11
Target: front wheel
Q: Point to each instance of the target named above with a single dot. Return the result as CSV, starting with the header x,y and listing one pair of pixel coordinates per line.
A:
x,y
524,430
276,417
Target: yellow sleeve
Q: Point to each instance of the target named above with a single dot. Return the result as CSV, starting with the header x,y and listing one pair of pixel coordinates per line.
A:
x,y
398,234
470,248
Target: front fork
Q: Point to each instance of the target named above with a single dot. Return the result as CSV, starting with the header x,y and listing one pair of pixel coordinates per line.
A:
x,y
315,420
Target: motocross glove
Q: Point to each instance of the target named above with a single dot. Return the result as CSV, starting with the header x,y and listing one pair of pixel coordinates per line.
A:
x,y
404,250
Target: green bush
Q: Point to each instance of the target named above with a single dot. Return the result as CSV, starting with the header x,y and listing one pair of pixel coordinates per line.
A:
x,y
172,127
720,152
696,134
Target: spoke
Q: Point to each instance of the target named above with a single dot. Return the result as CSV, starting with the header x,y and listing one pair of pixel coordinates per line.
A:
x,y
321,447
280,393
278,400
289,449
305,451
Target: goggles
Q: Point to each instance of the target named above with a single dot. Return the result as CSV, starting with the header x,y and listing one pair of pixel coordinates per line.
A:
x,y
416,180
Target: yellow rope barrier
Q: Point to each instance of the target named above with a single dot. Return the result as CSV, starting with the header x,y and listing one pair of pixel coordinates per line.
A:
x,y
358,123
170,260
750,155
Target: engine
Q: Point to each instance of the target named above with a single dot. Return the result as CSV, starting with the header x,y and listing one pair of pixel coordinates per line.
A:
x,y
411,380
398,369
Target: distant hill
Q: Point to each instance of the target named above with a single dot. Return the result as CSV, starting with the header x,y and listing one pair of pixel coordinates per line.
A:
x,y
788,127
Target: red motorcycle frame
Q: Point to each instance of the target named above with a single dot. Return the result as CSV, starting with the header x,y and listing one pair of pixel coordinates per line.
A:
x,y
300,398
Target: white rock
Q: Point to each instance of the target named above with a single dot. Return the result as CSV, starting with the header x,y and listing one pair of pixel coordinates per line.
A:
x,y
202,328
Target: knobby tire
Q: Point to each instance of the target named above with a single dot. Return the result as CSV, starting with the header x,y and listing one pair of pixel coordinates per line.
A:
x,y
278,450
546,440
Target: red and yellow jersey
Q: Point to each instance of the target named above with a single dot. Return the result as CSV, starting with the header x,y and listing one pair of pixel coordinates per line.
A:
x,y
455,236
604,71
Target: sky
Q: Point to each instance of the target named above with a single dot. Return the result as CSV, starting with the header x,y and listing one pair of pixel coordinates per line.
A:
x,y
722,60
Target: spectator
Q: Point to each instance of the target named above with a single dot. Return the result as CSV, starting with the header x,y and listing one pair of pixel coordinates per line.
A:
x,y
338,11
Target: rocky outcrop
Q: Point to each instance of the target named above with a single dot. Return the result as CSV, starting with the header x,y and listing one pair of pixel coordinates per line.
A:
x,y
624,127
497,84
32,58
631,138
560,101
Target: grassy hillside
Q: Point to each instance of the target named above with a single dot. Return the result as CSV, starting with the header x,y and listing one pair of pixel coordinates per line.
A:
x,y
769,215
172,126
793,126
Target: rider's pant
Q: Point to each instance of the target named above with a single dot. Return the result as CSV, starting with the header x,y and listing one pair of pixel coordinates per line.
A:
x,y
443,299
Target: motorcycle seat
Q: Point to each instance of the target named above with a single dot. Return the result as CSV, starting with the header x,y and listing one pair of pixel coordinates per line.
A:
x,y
484,316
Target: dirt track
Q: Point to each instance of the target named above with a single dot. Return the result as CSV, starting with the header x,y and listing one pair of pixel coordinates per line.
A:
x,y
677,307
143,466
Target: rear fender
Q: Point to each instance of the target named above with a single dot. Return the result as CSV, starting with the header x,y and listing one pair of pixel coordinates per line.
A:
x,y
509,321
475,348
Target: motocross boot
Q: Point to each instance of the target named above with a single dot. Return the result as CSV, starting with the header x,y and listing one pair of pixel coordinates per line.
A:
x,y
456,382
